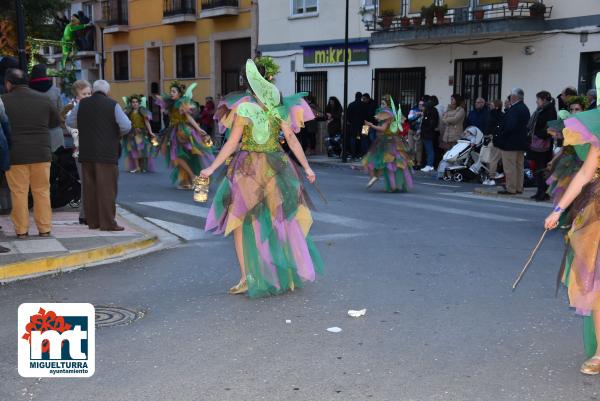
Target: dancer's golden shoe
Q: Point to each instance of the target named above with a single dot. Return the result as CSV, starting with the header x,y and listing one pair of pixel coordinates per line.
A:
x,y
591,366
239,288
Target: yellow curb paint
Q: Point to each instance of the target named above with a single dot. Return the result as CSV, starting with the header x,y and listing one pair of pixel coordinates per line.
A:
x,y
75,259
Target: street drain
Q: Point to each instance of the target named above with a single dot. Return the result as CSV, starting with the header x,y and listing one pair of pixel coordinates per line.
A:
x,y
108,316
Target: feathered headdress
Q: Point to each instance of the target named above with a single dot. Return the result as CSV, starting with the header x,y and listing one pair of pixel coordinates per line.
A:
x,y
178,85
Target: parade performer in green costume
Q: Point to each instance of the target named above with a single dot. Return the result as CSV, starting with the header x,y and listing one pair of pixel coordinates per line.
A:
x,y
68,39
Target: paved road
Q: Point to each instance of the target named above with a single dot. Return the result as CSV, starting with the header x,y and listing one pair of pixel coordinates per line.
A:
x,y
433,268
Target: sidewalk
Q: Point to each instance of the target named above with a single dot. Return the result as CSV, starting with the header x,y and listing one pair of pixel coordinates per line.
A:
x,y
71,245
493,191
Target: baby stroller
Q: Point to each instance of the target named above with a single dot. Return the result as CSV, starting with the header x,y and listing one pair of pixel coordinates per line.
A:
x,y
65,187
462,162
334,145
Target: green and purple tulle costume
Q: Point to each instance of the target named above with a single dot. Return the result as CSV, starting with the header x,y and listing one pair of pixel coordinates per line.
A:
x,y
580,269
182,141
262,194
388,157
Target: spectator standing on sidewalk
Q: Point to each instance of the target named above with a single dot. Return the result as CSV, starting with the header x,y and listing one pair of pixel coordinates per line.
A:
x,y
101,123
479,116
31,115
453,119
513,142
334,111
356,117
207,116
81,89
40,82
592,97
4,151
415,143
493,131
440,128
429,126
540,145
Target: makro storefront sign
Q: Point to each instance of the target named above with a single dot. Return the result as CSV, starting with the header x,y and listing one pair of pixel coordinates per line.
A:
x,y
333,55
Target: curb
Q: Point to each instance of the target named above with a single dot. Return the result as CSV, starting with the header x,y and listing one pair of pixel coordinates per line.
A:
x,y
524,198
54,264
154,240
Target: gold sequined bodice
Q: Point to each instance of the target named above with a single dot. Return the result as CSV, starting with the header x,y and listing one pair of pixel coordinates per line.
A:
x,y
137,120
272,144
175,117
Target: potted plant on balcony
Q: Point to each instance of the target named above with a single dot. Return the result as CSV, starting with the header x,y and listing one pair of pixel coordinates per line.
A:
x,y
417,21
440,12
513,4
427,13
537,10
478,14
404,21
387,18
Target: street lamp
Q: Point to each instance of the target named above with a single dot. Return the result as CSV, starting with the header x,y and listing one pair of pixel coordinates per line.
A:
x,y
21,35
345,135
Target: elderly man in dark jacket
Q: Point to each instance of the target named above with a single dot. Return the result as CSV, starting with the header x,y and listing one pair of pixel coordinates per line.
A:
x,y
31,116
540,146
513,142
101,123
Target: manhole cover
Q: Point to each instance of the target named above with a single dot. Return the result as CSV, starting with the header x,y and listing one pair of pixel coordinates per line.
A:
x,y
107,316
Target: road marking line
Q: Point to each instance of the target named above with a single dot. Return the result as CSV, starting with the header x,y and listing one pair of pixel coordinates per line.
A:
x,y
443,209
494,199
199,211
188,233
437,185
178,207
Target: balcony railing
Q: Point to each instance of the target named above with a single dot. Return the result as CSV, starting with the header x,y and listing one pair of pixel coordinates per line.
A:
x,y
379,20
208,4
179,7
219,8
115,12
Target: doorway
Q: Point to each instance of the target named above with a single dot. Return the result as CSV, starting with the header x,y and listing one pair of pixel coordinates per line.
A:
x,y
589,66
234,54
480,77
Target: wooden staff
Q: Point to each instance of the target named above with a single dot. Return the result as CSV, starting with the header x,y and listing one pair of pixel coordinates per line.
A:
x,y
520,276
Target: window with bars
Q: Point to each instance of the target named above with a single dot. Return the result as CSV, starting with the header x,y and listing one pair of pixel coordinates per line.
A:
x,y
315,83
303,7
405,85
121,65
186,60
475,78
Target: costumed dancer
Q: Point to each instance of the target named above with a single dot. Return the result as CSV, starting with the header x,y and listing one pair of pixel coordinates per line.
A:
x,y
262,199
580,270
566,163
137,145
187,147
388,155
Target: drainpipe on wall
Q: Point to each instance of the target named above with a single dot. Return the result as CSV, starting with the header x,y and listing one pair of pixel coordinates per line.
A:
x,y
254,39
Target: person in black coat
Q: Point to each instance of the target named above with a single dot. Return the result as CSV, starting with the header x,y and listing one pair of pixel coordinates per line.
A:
x,y
494,129
429,126
540,146
356,116
513,142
